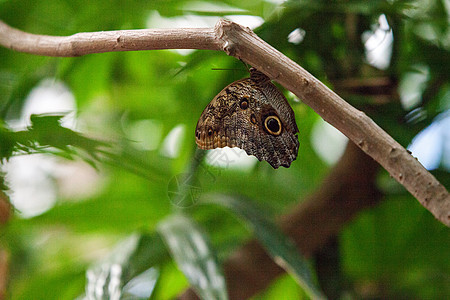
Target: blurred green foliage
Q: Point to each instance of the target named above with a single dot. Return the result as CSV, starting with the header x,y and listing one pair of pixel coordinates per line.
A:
x,y
396,250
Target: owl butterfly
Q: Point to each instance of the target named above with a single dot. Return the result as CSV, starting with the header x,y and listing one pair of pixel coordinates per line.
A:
x,y
251,114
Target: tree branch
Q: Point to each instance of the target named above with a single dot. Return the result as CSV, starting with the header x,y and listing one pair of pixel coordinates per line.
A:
x,y
356,125
242,43
5,214
349,188
5,208
108,41
4,273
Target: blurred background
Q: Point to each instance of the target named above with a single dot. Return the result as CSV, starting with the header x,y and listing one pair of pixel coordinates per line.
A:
x,y
95,149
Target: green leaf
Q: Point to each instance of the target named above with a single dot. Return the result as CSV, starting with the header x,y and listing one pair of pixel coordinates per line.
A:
x,y
194,255
278,245
398,230
131,270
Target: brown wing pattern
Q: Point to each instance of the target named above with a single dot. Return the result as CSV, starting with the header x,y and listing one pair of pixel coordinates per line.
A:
x,y
251,114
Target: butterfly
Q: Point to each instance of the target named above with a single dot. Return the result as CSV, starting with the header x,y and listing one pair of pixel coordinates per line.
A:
x,y
251,114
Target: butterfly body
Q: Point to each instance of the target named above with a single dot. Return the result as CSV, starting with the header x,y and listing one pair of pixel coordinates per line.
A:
x,y
251,114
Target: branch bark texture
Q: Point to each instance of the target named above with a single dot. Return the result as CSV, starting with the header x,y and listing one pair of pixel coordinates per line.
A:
x,y
108,41
242,43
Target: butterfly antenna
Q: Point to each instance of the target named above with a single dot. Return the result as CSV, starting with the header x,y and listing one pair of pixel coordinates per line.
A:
x,y
226,69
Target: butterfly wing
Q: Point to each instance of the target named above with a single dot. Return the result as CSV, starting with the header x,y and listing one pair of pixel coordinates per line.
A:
x,y
251,114
219,122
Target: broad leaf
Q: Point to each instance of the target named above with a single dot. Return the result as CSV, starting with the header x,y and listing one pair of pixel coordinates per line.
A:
x,y
130,271
193,253
278,245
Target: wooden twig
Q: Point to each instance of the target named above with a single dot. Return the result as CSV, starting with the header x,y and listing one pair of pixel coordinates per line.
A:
x,y
242,43
108,41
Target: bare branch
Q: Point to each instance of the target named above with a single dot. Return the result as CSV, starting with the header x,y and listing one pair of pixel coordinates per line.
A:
x,y
242,43
108,41
356,125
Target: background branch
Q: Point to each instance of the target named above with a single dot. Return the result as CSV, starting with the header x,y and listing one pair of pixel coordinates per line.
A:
x,y
356,125
4,272
242,43
349,188
5,214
